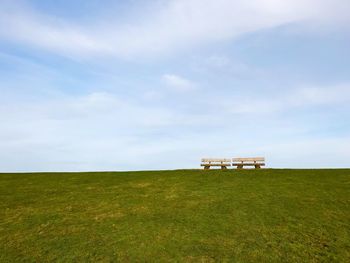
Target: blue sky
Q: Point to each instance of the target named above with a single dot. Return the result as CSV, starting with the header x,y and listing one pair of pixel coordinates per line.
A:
x,y
134,85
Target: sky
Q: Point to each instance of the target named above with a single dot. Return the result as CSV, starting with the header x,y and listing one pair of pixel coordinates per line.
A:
x,y
100,85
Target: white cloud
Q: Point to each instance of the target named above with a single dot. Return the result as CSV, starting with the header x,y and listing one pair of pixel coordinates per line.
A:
x,y
178,83
54,34
303,97
102,131
171,25
315,95
218,61
326,152
43,128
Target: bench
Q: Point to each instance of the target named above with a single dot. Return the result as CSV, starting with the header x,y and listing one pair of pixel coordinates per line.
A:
x,y
207,163
257,162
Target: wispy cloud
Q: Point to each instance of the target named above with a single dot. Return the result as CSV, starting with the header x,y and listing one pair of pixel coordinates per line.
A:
x,y
173,25
146,88
304,97
103,131
177,83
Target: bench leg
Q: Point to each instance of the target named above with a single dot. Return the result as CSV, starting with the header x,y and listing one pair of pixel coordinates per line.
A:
x,y
223,167
206,167
257,166
240,166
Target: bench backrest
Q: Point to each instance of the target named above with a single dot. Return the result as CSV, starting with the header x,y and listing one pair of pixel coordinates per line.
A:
x,y
249,160
213,160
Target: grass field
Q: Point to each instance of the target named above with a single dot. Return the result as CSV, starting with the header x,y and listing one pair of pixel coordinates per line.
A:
x,y
184,216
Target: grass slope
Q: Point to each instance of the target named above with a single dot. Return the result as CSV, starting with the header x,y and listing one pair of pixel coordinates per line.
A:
x,y
185,215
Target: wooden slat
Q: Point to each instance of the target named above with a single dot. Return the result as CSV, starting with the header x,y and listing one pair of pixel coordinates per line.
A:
x,y
215,160
248,164
215,164
252,159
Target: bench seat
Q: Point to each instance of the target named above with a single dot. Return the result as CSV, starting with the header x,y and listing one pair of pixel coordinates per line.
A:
x,y
257,162
216,164
248,164
208,162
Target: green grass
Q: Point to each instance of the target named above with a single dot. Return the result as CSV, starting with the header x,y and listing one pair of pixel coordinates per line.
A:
x,y
183,216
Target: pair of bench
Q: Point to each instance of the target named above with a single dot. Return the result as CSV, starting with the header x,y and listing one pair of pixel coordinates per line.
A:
x,y
257,162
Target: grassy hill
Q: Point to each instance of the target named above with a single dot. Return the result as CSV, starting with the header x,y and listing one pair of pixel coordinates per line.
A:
x,y
186,215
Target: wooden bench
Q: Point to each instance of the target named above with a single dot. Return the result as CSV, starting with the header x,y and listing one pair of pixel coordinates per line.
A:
x,y
207,163
257,162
